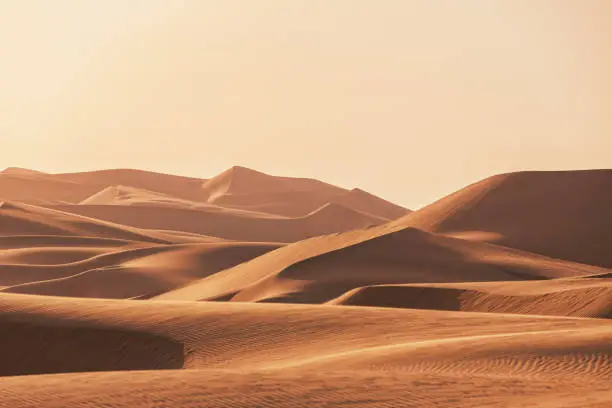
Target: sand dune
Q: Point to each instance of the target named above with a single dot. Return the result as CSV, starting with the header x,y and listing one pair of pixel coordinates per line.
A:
x,y
583,297
20,171
38,188
320,269
138,272
125,195
476,300
292,355
240,184
232,224
240,187
563,214
178,186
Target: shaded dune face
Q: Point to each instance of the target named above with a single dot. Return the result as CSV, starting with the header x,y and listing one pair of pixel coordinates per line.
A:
x,y
28,348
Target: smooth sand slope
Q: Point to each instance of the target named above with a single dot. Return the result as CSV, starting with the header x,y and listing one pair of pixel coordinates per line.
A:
x,y
245,355
583,297
562,214
322,268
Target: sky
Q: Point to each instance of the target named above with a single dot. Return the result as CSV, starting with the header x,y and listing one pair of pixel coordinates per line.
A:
x,y
408,99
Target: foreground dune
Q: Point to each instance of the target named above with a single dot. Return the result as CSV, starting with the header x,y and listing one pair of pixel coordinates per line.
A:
x,y
292,355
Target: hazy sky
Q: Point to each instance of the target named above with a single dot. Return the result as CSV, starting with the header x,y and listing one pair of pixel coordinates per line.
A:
x,y
410,100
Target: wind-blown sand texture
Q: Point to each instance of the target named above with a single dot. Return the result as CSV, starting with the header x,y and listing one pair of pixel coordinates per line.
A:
x,y
138,289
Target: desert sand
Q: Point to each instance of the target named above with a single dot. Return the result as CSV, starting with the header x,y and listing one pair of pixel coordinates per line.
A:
x,y
128,288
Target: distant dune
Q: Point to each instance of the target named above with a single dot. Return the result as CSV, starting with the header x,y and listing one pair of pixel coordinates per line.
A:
x,y
19,171
239,187
245,355
25,219
182,187
126,195
37,188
